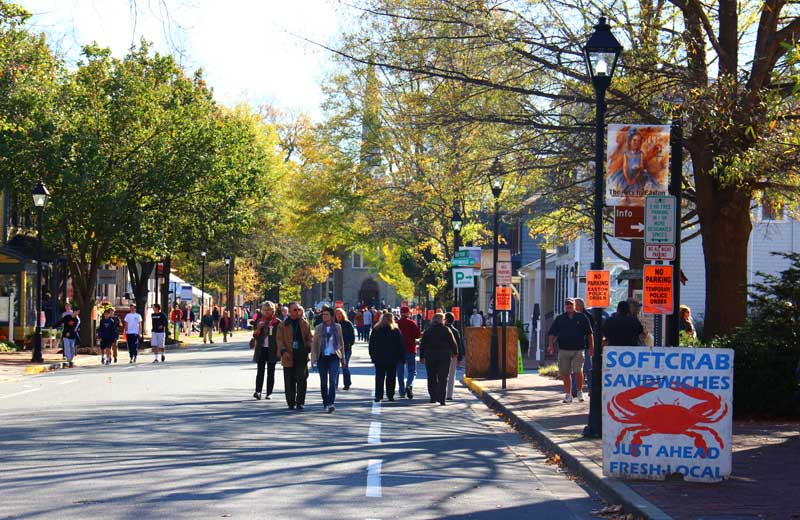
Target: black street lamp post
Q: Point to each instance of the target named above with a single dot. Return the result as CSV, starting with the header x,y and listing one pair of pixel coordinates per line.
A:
x,y
202,288
40,198
227,282
601,53
456,224
496,175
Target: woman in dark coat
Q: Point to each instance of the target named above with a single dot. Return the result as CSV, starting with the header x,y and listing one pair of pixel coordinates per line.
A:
x,y
385,350
349,335
436,347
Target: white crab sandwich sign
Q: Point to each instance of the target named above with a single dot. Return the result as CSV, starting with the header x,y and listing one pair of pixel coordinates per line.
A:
x,y
667,410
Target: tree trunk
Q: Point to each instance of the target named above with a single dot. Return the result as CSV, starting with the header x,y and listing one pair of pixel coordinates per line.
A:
x,y
725,226
139,274
84,285
636,261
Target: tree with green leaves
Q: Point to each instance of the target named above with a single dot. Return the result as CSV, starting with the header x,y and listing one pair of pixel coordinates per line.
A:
x,y
725,71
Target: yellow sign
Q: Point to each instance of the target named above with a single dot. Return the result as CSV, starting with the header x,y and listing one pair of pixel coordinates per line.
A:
x,y
598,288
503,299
657,289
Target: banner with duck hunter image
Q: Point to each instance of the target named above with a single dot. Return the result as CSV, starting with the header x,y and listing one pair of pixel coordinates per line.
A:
x,y
667,411
638,163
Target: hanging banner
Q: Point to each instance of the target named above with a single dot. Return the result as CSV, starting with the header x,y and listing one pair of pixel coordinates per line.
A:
x,y
667,410
598,288
638,163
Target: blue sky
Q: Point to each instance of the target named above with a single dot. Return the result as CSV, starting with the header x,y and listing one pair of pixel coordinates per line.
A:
x,y
247,48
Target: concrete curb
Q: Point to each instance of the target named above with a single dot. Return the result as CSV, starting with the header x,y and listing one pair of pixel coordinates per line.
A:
x,y
611,488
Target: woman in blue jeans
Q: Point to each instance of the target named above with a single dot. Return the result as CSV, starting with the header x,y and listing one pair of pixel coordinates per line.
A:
x,y
349,336
327,351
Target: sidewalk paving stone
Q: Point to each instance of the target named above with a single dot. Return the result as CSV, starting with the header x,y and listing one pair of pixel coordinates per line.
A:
x,y
766,458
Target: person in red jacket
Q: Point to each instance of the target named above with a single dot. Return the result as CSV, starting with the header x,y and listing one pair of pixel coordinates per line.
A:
x,y
225,326
410,332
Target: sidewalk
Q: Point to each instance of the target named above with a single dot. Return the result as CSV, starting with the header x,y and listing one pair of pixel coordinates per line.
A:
x,y
16,365
766,457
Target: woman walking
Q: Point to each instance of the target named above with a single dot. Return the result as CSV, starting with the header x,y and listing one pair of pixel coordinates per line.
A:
x,y
349,336
265,332
385,350
327,350
436,348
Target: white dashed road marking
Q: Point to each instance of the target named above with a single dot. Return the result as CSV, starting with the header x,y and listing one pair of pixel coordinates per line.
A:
x,y
374,478
374,433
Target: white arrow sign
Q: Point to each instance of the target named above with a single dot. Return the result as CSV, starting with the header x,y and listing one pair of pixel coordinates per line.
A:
x,y
638,226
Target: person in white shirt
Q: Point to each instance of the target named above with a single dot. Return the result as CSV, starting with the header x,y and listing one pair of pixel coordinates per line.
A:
x,y
476,320
133,330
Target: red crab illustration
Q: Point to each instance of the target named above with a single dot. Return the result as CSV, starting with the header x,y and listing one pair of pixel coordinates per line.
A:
x,y
669,419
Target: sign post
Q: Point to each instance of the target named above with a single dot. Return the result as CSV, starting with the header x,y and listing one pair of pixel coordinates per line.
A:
x,y
657,289
598,289
503,273
629,221
463,278
659,219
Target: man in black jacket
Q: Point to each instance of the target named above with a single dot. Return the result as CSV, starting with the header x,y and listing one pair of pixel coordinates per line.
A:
x,y
450,320
436,347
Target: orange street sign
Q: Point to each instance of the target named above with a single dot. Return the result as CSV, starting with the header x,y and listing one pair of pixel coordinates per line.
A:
x,y
598,288
503,299
457,313
657,289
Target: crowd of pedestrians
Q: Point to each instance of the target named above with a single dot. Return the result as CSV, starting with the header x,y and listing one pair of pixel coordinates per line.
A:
x,y
324,342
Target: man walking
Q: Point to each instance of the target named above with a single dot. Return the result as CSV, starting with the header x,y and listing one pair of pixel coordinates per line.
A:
x,y
158,332
588,350
225,326
572,330
450,320
367,323
436,347
411,333
476,320
207,327
69,334
622,329
294,346
175,318
133,330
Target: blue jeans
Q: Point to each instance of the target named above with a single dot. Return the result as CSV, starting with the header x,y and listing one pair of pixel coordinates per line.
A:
x,y
409,364
346,369
328,367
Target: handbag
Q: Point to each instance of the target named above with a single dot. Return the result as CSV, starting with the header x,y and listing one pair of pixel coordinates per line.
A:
x,y
252,343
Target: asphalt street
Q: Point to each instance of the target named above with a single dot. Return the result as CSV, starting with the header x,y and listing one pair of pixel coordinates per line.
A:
x,y
185,439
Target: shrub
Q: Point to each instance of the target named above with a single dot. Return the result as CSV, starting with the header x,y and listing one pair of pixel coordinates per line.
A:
x,y
5,346
767,347
549,371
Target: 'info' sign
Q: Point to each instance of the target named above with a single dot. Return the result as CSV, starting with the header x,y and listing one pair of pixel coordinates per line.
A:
x,y
667,410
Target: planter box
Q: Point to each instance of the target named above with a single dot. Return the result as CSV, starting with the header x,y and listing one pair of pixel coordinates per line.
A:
x,y
478,342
